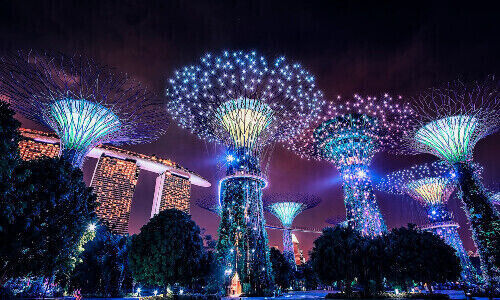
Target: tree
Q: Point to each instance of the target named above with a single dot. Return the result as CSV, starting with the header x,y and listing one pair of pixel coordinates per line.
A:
x,y
56,213
335,256
167,251
374,263
421,256
306,276
282,271
103,270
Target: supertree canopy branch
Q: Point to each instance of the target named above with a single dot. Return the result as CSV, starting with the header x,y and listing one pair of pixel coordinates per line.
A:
x,y
348,134
452,119
84,103
432,185
433,193
246,103
286,207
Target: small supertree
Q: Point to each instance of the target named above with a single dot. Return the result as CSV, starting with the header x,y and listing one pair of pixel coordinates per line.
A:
x,y
348,134
432,185
247,103
286,207
451,120
86,104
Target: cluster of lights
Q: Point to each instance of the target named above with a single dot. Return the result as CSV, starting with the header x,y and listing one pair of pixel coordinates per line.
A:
x,y
349,133
84,103
243,101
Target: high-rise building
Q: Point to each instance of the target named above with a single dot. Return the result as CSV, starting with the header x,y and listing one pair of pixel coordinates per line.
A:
x,y
171,191
116,174
114,183
298,254
37,144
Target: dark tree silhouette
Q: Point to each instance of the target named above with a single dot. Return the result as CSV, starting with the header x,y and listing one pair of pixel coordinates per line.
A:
x,y
56,213
103,270
421,256
336,254
282,271
168,250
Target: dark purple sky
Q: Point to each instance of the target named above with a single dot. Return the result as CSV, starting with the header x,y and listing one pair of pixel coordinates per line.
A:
x,y
350,46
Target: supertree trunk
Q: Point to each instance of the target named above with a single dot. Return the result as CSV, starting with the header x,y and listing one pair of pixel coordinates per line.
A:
x,y
243,243
288,248
362,207
448,232
484,221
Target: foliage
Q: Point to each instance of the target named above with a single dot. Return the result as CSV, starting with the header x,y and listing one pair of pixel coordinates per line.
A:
x,y
57,211
9,160
103,270
485,223
406,254
421,256
282,271
336,254
306,277
168,250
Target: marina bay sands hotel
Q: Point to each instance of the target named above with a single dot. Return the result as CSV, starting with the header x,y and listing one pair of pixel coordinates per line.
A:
x,y
115,178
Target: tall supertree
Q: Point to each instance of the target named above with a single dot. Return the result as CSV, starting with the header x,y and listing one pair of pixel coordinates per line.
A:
x,y
85,103
286,207
349,133
451,120
246,103
432,185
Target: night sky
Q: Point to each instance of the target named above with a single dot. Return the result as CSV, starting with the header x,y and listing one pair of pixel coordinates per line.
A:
x,y
369,48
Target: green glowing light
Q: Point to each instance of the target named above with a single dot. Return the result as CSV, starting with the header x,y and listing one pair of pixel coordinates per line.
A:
x,y
286,211
431,190
245,120
452,138
81,125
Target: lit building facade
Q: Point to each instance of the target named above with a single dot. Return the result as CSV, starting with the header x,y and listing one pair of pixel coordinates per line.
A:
x,y
171,191
115,178
114,182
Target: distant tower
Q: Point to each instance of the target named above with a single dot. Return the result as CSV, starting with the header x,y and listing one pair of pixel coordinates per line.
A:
x,y
299,255
432,185
114,182
286,207
349,134
84,103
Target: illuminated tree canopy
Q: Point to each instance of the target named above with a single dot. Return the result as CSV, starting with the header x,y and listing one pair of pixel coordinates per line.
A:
x,y
375,123
453,118
85,103
287,206
244,101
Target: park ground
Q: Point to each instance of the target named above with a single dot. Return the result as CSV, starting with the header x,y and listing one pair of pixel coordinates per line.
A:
x,y
320,294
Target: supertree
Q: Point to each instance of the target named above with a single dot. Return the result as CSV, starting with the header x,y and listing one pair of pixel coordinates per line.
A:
x,y
85,103
349,133
240,100
432,185
451,120
286,207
